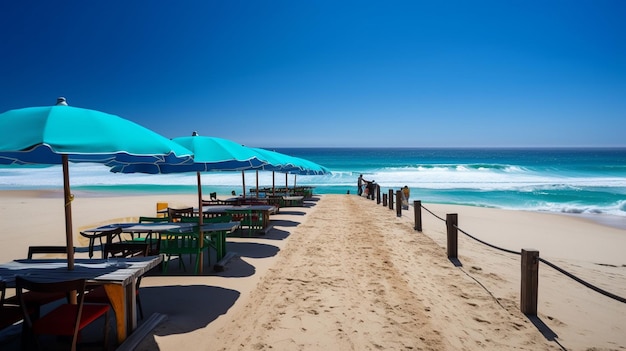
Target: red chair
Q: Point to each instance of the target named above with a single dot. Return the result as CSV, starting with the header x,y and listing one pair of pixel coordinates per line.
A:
x,y
9,314
36,299
65,320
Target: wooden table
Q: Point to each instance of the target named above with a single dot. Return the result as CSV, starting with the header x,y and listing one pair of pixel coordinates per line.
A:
x,y
264,210
118,280
138,229
160,228
293,200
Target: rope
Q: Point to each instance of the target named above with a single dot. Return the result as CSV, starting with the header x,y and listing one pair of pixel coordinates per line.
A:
x,y
429,211
488,244
552,265
590,286
69,200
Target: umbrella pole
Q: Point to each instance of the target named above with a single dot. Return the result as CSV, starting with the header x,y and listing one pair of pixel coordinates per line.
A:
x,y
243,181
200,222
257,183
69,237
287,184
273,184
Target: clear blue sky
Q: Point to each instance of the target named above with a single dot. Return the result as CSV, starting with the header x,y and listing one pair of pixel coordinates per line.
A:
x,y
330,73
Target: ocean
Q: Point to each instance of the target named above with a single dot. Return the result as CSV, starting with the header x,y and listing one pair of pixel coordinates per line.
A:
x,y
587,181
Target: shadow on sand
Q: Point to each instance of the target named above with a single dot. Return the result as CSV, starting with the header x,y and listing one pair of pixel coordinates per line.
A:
x,y
253,250
202,305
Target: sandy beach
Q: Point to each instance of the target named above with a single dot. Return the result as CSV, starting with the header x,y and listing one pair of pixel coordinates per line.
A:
x,y
345,273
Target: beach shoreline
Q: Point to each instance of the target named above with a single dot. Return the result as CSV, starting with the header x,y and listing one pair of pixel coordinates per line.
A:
x,y
346,271
608,220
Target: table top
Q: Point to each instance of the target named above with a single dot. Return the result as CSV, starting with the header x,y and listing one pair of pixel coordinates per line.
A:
x,y
144,227
119,270
219,227
226,208
162,227
292,198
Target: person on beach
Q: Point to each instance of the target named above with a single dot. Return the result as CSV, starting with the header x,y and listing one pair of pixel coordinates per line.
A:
x,y
371,189
405,197
360,182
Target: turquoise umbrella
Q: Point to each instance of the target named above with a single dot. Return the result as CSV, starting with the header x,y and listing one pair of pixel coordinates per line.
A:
x,y
210,154
61,134
279,162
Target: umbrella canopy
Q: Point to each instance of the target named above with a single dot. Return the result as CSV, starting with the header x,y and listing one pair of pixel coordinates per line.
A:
x,y
60,134
276,161
279,162
210,154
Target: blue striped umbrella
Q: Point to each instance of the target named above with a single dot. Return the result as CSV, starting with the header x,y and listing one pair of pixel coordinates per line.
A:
x,y
61,134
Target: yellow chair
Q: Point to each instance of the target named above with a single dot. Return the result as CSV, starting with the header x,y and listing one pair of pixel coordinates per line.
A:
x,y
161,208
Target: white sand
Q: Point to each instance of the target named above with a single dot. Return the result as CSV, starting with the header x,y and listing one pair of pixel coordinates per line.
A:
x,y
346,273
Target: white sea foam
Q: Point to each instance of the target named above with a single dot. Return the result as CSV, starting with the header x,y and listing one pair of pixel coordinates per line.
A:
x,y
461,177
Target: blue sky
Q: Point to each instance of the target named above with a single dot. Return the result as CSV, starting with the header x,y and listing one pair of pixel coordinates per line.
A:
x,y
330,73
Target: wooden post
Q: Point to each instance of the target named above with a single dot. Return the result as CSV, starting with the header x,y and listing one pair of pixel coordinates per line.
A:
x,y
377,194
530,281
398,203
417,209
391,199
384,199
453,234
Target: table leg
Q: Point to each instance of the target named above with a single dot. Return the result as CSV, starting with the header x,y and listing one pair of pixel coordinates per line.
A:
x,y
266,219
122,300
221,244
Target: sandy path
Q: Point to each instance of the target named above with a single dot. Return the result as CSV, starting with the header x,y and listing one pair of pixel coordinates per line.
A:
x,y
352,279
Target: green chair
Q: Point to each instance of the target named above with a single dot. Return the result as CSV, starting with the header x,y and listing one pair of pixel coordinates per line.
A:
x,y
175,214
218,238
209,242
177,244
248,218
225,218
153,242
144,219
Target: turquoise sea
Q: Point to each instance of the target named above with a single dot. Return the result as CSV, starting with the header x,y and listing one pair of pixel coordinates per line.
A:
x,y
590,181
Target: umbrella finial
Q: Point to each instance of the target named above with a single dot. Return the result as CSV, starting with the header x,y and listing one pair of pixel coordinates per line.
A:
x,y
61,101
194,133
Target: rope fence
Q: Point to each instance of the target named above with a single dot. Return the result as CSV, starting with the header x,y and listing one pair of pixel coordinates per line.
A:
x,y
530,258
550,264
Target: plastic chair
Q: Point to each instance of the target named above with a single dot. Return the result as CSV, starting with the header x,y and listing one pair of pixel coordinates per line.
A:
x,y
46,250
177,244
65,320
37,299
98,294
176,214
110,234
9,314
211,241
144,219
148,238
249,218
160,207
126,249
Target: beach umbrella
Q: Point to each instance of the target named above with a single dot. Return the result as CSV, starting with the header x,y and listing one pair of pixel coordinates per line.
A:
x,y
61,134
210,154
279,162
